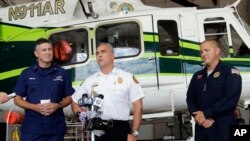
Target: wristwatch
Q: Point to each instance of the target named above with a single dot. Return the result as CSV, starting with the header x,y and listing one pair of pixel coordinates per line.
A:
x,y
135,132
60,105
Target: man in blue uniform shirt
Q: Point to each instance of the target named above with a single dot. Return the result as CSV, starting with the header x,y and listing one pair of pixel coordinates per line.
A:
x,y
43,90
213,95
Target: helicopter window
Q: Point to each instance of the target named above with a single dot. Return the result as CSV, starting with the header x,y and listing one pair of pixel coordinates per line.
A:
x,y
239,47
168,38
70,47
124,37
215,28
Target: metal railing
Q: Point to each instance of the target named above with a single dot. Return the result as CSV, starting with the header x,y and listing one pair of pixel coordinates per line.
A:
x,y
75,132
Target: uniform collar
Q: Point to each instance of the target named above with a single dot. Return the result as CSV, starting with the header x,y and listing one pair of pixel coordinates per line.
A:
x,y
218,66
53,68
216,69
114,71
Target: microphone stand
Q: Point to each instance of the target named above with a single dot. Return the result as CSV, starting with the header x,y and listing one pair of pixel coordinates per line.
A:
x,y
92,95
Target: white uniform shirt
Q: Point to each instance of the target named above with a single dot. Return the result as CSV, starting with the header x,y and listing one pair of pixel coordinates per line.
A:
x,y
119,89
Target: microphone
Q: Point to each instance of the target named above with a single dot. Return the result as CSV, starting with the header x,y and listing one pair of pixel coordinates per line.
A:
x,y
83,102
93,121
82,116
12,95
98,102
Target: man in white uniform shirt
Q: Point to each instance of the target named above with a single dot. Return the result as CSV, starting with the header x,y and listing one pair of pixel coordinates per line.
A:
x,y
120,89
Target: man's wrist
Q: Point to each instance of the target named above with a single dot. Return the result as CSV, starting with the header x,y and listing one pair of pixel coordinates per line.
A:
x,y
60,106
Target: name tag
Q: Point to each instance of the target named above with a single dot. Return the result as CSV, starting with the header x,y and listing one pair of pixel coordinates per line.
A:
x,y
43,101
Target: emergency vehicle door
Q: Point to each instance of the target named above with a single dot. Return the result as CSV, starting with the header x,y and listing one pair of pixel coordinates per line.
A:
x,y
170,59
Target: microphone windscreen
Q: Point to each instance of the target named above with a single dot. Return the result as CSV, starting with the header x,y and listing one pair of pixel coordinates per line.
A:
x,y
99,100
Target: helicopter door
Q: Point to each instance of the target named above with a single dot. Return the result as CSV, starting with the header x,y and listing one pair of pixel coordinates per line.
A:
x,y
170,69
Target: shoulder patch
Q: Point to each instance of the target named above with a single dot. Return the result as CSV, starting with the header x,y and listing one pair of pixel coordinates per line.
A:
x,y
135,80
199,76
235,71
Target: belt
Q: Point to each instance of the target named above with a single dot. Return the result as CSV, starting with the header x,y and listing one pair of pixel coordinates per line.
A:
x,y
111,123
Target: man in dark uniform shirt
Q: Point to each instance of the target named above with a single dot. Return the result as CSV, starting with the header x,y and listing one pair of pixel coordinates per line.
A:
x,y
213,94
47,89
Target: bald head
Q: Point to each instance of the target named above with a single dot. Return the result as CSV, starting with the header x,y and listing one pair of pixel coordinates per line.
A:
x,y
210,53
211,43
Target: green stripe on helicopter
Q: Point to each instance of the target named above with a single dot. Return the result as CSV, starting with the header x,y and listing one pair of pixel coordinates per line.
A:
x,y
12,73
20,33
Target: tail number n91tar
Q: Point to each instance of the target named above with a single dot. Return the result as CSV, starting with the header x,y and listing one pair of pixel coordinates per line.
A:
x,y
20,12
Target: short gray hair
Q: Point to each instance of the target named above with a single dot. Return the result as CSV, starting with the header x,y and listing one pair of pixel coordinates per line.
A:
x,y
107,44
41,41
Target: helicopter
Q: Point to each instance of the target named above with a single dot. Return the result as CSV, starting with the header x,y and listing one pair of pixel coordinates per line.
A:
x,y
160,46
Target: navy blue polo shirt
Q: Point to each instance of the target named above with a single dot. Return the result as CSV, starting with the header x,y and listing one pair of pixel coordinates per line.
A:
x,y
38,84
